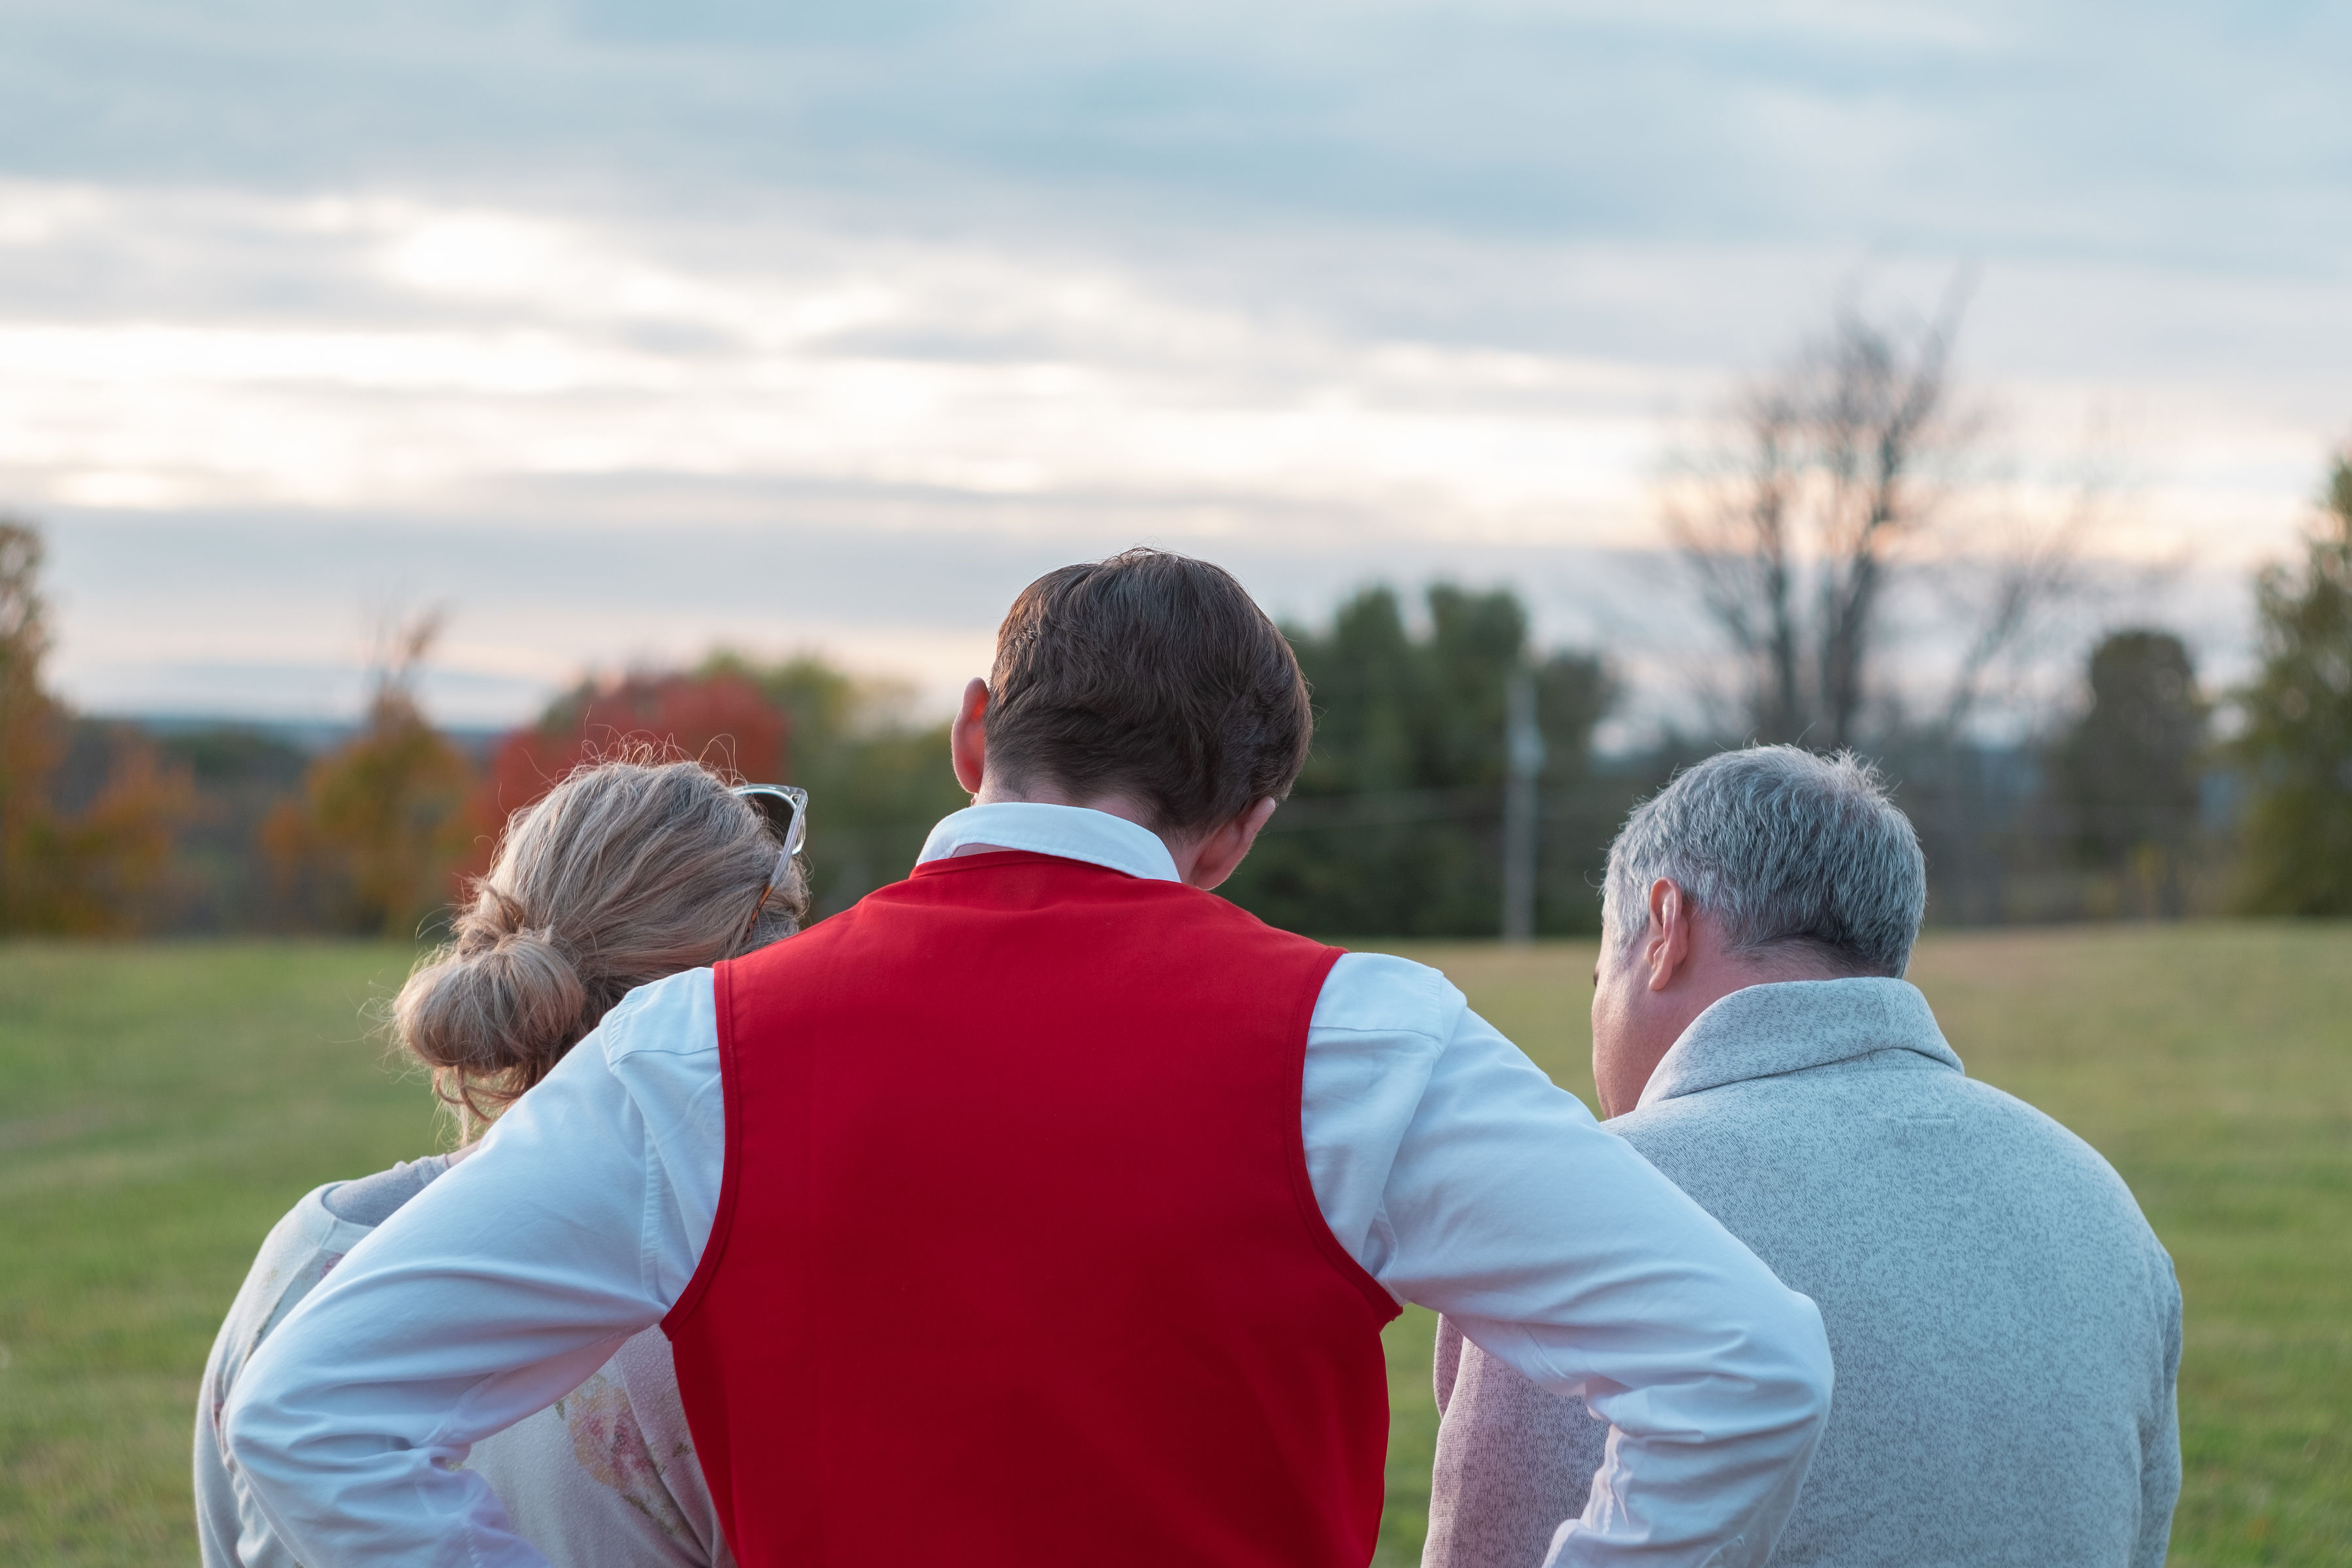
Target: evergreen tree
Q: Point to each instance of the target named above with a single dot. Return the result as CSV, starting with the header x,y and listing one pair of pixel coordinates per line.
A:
x,y
2297,742
1395,826
2128,772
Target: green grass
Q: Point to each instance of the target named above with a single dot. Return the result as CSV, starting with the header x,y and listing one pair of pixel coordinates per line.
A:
x,y
160,1107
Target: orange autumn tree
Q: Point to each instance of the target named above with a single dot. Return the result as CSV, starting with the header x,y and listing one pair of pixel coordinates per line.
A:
x,y
84,869
381,826
29,737
720,719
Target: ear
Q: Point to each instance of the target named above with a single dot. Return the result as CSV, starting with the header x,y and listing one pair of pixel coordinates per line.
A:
x,y
1668,947
967,737
1217,855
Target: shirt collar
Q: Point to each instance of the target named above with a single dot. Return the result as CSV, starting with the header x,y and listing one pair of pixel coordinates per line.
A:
x,y
1068,832
1765,1030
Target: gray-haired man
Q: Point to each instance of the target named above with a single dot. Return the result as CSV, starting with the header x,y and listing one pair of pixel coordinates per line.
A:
x,y
2005,1327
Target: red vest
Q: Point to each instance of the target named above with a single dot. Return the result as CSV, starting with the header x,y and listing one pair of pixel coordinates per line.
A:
x,y
1016,1261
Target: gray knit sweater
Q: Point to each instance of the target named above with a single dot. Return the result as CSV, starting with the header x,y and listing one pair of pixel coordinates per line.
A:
x,y
2006,1327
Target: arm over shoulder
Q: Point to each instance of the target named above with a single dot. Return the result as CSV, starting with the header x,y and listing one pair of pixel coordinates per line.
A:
x,y
1498,1200
491,1294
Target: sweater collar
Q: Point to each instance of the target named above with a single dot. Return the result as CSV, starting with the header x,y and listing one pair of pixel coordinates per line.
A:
x,y
1067,832
1764,1031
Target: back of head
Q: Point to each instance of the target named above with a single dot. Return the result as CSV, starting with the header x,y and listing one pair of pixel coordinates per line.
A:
x,y
625,872
1788,852
1149,675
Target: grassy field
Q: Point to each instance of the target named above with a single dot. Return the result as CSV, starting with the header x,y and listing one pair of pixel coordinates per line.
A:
x,y
160,1107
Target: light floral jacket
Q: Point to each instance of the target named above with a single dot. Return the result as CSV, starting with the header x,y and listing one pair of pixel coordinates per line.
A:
x,y
606,1474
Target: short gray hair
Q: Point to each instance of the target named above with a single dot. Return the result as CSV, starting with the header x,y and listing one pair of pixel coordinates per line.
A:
x,y
1783,849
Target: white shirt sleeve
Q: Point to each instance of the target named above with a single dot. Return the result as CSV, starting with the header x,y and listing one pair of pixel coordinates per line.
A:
x,y
1445,1161
1465,1181
488,1295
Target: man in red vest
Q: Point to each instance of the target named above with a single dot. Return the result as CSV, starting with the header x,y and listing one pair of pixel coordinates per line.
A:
x,y
1043,1208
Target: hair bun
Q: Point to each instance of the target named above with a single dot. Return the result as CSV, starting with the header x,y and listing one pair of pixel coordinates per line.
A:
x,y
625,873
492,1016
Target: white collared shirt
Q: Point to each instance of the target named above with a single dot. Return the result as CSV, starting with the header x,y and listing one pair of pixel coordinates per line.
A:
x,y
1445,1161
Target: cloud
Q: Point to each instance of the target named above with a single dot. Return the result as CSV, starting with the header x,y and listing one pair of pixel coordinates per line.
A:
x,y
945,293
2086,131
456,350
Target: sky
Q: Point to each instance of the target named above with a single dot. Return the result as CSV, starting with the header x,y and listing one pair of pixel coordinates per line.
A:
x,y
621,330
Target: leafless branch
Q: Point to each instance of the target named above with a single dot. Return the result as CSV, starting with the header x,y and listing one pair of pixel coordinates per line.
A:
x,y
1789,535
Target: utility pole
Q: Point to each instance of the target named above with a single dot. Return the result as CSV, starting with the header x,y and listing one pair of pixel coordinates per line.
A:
x,y
1523,751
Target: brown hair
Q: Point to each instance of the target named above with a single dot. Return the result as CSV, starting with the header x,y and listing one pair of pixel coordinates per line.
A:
x,y
1153,675
627,871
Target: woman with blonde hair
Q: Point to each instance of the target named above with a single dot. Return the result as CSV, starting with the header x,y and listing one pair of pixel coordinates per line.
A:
x,y
625,872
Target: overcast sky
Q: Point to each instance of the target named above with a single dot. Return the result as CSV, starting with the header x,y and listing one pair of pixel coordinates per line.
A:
x,y
623,329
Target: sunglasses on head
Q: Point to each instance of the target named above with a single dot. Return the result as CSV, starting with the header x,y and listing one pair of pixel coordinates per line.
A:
x,y
785,808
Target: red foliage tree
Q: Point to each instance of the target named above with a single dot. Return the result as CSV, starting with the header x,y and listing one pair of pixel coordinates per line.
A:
x,y
721,720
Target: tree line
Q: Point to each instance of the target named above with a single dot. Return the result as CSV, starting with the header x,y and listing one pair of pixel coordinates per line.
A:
x,y
1393,827
1397,828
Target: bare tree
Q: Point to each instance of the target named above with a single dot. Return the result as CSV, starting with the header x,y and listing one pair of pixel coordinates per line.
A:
x,y
1793,529
2016,569
399,642
1847,469
1882,581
